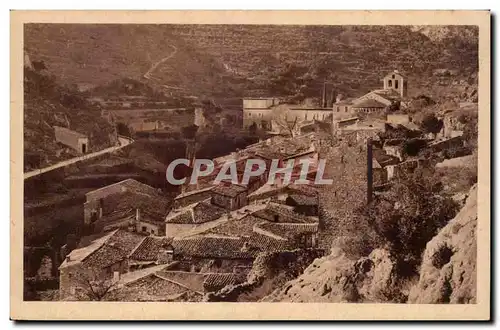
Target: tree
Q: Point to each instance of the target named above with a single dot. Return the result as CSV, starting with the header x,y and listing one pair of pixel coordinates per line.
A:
x,y
280,117
413,147
123,129
252,129
431,124
409,215
93,286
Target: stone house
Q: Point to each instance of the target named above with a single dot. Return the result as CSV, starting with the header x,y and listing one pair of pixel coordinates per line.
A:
x,y
303,204
97,263
229,196
258,111
213,253
181,221
93,206
76,141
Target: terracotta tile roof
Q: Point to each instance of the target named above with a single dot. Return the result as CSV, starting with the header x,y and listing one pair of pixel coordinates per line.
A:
x,y
128,185
230,190
128,200
236,227
369,103
193,192
216,281
212,247
149,248
289,230
105,256
120,216
116,248
266,243
196,213
284,213
151,217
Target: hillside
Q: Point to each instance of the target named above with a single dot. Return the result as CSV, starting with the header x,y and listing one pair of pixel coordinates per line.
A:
x,y
46,104
447,273
235,60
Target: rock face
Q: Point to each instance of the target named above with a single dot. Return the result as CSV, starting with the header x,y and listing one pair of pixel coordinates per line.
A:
x,y
336,278
448,271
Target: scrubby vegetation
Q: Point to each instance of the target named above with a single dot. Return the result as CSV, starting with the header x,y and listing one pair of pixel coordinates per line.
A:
x,y
232,60
408,216
48,104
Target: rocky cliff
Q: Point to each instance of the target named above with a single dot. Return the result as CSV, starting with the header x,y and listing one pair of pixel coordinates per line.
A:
x,y
448,271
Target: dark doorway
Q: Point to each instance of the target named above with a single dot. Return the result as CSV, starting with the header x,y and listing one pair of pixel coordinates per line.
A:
x,y
84,148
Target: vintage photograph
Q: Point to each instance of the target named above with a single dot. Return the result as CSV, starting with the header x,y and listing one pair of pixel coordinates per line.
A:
x,y
250,163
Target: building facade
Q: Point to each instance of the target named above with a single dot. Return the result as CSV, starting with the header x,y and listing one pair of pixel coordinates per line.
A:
x,y
77,141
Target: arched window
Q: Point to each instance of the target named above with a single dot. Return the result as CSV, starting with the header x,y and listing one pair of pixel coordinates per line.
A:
x,y
396,84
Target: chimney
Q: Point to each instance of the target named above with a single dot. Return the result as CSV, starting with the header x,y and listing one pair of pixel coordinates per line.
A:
x,y
137,214
369,171
323,99
333,97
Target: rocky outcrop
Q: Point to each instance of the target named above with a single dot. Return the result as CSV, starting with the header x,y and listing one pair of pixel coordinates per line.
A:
x,y
448,271
336,278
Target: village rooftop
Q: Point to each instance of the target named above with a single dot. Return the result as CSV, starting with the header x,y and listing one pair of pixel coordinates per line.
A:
x,y
253,168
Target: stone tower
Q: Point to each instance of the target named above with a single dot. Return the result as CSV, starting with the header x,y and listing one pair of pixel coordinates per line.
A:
x,y
397,82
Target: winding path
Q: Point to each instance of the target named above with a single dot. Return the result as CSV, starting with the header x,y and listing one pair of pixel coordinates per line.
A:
x,y
147,75
124,141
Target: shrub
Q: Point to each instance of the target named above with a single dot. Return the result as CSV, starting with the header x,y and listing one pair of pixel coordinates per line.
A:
x,y
408,216
431,124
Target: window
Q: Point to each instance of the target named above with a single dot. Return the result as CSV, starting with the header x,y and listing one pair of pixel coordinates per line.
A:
x,y
144,228
393,76
306,116
338,108
389,83
323,116
396,84
345,109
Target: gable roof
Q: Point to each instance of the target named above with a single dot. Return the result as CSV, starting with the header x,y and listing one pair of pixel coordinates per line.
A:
x,y
217,281
369,103
115,248
289,230
230,190
196,213
395,72
285,214
212,247
149,248
127,185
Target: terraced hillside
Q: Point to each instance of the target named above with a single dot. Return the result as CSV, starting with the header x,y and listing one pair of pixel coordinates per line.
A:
x,y
235,60
46,104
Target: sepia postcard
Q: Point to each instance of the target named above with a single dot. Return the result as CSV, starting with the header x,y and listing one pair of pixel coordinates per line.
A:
x,y
250,165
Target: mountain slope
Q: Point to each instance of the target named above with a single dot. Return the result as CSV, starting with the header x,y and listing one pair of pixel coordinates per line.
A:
x,y
46,104
234,60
